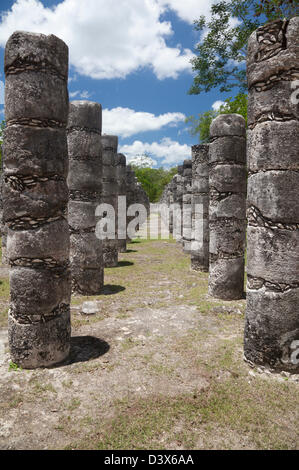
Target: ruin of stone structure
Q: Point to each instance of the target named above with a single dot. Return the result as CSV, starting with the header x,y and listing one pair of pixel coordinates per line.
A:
x,y
121,210
187,206
200,208
109,196
227,209
35,197
3,228
272,320
85,186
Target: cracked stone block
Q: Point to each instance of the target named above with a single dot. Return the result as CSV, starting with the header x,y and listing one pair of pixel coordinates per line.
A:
x,y
35,198
227,206
200,208
109,195
85,184
272,321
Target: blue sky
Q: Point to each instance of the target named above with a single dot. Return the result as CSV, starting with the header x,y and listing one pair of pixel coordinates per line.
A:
x,y
133,57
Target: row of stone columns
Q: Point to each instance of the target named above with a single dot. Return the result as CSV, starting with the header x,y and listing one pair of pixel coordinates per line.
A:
x,y
213,197
57,169
272,311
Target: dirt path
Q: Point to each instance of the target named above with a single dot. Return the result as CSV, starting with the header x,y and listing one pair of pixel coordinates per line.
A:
x,y
159,366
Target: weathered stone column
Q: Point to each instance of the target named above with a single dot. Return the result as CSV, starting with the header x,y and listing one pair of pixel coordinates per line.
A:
x,y
109,196
121,211
179,201
85,185
3,228
227,209
200,208
272,315
35,198
130,185
187,206
141,198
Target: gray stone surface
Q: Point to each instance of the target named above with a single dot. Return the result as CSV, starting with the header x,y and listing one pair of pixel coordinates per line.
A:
x,y
85,186
122,191
130,188
35,196
187,206
272,320
227,207
200,208
109,195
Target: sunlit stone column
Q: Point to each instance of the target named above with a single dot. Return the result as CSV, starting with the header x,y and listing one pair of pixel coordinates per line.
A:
x,y
227,209
121,205
272,314
35,197
109,196
200,208
187,206
85,185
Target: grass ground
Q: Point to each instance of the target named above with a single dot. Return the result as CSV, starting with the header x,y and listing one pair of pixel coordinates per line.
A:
x,y
159,366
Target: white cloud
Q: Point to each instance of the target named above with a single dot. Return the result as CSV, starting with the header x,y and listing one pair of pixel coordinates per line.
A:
x,y
142,161
126,122
109,38
216,105
189,10
170,151
84,95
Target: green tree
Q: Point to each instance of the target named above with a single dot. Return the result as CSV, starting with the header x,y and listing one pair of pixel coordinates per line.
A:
x,y
201,126
153,180
222,52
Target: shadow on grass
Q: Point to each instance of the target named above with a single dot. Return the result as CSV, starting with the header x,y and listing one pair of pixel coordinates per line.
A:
x,y
85,348
132,251
124,263
111,289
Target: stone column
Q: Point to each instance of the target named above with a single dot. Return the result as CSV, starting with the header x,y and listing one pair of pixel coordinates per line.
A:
x,y
141,198
130,185
85,185
187,200
200,208
3,228
272,315
35,197
227,210
122,217
109,196
179,201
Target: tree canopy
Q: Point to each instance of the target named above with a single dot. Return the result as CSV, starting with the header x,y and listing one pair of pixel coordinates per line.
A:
x,y
154,180
221,54
200,126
